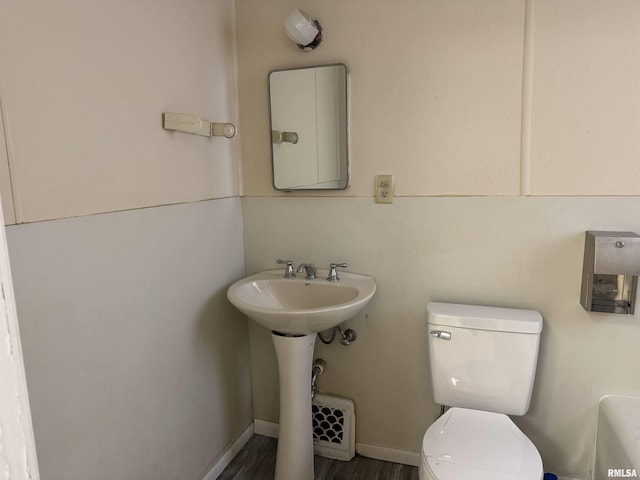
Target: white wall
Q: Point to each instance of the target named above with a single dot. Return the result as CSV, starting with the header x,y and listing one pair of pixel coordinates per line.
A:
x,y
137,365
488,100
514,252
84,85
436,90
438,93
586,110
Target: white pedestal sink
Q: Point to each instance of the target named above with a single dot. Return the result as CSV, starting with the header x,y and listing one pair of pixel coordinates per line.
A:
x,y
295,310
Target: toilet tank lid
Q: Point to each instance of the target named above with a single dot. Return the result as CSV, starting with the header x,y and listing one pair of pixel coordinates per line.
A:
x,y
478,317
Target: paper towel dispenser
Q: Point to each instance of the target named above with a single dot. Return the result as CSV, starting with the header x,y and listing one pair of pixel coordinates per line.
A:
x,y
610,272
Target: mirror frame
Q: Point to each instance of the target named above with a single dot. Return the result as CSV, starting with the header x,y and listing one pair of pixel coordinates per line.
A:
x,y
347,159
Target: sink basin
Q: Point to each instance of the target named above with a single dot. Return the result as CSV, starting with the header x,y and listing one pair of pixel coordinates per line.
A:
x,y
298,306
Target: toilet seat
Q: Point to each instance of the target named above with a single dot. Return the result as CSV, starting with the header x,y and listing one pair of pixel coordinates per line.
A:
x,y
465,444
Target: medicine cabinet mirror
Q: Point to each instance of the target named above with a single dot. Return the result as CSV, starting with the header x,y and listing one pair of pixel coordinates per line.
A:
x,y
309,127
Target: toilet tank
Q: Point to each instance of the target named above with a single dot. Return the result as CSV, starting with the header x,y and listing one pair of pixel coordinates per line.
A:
x,y
483,357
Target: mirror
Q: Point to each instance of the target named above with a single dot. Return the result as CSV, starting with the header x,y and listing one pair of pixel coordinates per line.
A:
x,y
309,129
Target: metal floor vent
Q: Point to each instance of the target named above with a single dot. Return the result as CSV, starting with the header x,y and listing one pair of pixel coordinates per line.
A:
x,y
334,427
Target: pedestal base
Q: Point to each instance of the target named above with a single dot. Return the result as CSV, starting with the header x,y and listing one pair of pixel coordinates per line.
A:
x,y
294,460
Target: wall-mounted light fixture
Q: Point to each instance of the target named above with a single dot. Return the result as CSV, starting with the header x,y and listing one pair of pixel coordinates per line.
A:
x,y
303,30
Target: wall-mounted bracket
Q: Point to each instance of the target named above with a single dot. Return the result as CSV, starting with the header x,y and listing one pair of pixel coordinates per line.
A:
x,y
280,137
189,123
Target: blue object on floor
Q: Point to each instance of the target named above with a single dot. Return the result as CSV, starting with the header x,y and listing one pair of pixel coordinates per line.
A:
x,y
550,476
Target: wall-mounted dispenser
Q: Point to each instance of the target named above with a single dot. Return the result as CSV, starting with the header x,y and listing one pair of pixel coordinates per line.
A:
x,y
610,272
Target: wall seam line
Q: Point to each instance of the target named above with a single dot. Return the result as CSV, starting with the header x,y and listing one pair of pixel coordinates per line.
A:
x,y
12,171
527,100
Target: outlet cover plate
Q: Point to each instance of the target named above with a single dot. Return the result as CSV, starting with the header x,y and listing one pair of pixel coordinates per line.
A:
x,y
384,188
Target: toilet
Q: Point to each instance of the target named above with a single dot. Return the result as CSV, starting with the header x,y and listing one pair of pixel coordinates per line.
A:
x,y
483,363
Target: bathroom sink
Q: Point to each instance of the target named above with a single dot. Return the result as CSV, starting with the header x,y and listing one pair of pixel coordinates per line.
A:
x,y
298,306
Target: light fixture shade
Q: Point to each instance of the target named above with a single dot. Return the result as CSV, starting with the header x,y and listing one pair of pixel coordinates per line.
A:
x,y
301,28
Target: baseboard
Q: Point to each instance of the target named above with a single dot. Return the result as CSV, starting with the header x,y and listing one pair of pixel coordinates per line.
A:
x,y
270,429
229,454
388,454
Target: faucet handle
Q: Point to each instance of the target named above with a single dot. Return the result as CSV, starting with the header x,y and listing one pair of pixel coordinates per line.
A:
x,y
288,272
333,274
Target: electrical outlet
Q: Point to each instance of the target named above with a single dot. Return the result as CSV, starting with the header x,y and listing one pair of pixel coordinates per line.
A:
x,y
384,188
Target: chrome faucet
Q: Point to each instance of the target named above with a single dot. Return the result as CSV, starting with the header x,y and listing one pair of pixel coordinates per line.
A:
x,y
309,268
288,272
333,274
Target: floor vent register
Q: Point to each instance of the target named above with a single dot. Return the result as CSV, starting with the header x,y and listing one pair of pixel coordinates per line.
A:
x,y
334,427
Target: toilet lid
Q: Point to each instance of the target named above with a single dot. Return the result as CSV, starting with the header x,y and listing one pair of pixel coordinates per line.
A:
x,y
466,444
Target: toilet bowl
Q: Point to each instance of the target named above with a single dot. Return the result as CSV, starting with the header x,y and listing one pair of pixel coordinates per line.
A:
x,y
465,444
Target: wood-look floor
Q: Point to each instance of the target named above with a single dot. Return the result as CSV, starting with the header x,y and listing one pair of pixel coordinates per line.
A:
x,y
257,461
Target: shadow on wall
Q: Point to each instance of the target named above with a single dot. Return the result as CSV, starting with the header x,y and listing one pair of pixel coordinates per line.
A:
x,y
220,338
